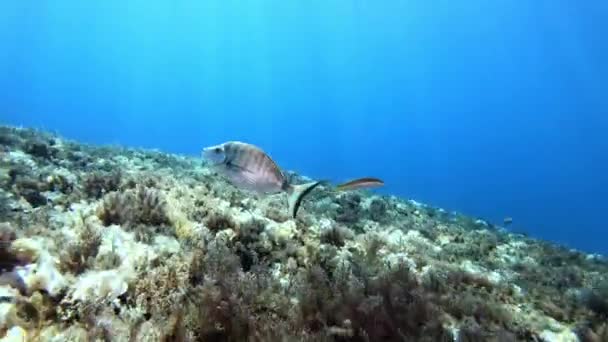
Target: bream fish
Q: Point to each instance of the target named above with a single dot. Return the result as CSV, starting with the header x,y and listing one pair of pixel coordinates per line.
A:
x,y
248,167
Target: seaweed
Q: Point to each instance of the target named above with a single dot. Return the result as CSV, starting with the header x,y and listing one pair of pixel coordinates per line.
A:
x,y
471,332
597,333
378,210
390,306
8,260
349,210
29,186
79,255
596,300
40,148
163,289
222,312
98,183
336,235
248,245
217,221
141,205
351,280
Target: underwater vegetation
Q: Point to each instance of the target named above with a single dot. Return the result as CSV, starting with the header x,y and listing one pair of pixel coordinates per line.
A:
x,y
101,243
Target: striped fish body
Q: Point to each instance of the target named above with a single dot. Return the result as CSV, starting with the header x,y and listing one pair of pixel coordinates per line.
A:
x,y
248,167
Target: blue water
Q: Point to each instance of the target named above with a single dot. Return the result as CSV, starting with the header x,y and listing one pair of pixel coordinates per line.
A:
x,y
492,108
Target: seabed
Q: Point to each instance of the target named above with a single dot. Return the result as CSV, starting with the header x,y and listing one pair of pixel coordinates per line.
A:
x,y
107,243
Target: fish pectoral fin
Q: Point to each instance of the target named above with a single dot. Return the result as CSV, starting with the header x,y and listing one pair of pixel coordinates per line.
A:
x,y
246,178
241,178
232,166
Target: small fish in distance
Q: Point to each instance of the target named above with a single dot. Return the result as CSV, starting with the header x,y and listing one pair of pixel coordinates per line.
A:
x,y
248,167
366,182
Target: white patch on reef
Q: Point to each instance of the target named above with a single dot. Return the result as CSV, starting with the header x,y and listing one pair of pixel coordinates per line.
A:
x,y
319,227
401,206
444,239
399,246
166,246
395,240
62,173
469,267
425,271
6,310
510,253
133,254
518,244
226,235
281,232
479,271
21,157
53,333
74,219
15,334
372,226
99,285
244,216
481,222
8,292
282,277
416,203
120,159
52,196
43,274
325,223
517,291
222,206
455,332
528,260
367,202
563,336
327,204
495,277
207,171
410,242
595,257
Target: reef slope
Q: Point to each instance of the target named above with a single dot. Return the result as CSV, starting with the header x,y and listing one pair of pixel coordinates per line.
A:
x,y
106,243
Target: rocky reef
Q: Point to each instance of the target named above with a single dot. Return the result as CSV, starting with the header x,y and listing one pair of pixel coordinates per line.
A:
x,y
106,243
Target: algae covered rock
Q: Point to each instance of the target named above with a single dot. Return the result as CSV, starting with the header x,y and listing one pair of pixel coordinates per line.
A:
x,y
122,244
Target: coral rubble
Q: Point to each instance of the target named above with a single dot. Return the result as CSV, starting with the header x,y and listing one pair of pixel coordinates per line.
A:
x,y
118,244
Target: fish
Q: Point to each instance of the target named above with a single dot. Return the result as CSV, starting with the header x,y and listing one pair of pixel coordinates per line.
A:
x,y
249,167
507,221
359,183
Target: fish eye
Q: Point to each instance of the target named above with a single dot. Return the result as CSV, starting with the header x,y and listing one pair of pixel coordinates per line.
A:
x,y
217,150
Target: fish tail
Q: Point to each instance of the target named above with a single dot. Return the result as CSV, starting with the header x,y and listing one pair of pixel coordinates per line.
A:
x,y
297,192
